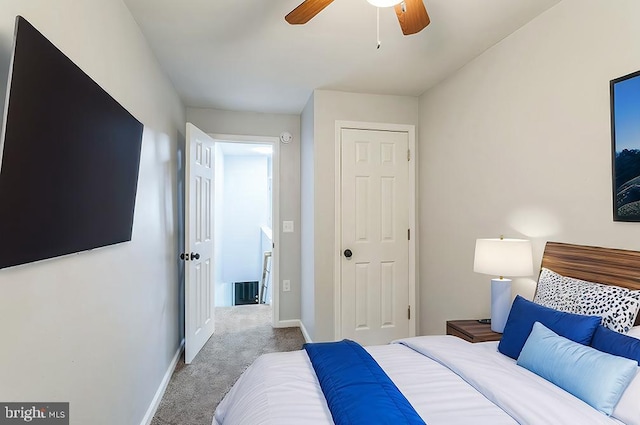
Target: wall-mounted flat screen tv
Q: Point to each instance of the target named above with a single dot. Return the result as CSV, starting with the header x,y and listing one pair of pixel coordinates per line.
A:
x,y
69,157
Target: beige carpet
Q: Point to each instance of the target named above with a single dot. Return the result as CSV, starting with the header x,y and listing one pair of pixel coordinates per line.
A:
x,y
242,334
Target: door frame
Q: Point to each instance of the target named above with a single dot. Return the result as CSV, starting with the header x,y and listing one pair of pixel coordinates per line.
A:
x,y
413,242
275,210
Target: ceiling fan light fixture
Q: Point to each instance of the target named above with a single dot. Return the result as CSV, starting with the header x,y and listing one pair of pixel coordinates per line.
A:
x,y
384,3
412,15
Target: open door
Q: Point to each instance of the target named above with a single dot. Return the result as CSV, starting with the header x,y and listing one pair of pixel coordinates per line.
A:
x,y
199,213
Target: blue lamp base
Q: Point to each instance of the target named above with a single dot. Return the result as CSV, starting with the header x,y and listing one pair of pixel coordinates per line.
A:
x,y
500,303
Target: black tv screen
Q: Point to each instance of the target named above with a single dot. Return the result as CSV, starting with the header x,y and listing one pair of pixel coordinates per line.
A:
x,y
69,157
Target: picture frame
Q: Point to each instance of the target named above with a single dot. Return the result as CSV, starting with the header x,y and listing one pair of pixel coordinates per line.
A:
x,y
625,146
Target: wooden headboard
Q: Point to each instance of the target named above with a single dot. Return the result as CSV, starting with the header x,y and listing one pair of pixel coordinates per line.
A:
x,y
603,265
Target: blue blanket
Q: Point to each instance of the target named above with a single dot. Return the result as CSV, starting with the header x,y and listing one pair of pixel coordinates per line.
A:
x,y
356,388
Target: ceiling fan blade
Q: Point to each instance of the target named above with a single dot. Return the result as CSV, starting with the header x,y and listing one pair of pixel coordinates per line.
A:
x,y
412,16
306,10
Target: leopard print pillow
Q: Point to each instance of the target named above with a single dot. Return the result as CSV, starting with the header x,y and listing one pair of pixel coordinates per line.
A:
x,y
617,306
549,285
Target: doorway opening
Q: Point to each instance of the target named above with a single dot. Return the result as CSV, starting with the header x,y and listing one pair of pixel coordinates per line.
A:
x,y
245,213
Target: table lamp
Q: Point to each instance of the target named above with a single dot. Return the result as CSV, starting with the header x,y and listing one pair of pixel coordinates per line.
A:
x,y
502,257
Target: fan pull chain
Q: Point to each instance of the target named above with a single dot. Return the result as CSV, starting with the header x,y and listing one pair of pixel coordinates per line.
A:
x,y
378,26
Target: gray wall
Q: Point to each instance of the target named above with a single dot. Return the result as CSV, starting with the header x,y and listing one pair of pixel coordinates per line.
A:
x,y
258,124
518,143
329,106
307,227
99,329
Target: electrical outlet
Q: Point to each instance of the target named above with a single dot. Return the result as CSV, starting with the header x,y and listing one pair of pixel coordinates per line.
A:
x,y
286,285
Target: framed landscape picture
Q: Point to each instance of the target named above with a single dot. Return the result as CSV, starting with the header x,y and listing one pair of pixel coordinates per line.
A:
x,y
625,146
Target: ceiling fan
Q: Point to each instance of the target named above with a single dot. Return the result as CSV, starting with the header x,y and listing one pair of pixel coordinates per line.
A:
x,y
412,15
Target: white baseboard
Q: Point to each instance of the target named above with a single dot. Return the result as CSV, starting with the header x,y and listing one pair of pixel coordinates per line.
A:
x,y
151,411
305,334
293,323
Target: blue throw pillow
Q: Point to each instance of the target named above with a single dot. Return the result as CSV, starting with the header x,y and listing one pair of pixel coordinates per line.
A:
x,y
597,378
616,343
525,313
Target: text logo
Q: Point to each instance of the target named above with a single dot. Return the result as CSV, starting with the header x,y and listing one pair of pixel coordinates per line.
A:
x,y
35,413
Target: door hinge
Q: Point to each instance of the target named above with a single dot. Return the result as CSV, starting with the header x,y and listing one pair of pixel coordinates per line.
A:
x,y
408,234
409,312
408,155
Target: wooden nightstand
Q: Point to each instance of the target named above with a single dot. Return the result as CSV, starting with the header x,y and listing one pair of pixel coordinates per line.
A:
x,y
472,331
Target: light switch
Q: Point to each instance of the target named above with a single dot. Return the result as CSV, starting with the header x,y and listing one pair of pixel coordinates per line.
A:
x,y
287,226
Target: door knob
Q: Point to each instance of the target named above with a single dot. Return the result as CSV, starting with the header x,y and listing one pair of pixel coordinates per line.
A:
x,y
182,256
348,253
196,256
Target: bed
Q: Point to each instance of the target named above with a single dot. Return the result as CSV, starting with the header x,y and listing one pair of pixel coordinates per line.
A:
x,y
447,380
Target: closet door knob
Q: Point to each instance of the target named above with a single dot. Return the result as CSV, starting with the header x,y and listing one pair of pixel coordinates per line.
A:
x,y
196,256
348,253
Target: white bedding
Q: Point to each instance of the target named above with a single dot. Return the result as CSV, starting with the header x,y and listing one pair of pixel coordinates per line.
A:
x,y
447,380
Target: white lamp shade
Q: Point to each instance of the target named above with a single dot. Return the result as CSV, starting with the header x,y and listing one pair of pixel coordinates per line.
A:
x,y
503,257
384,3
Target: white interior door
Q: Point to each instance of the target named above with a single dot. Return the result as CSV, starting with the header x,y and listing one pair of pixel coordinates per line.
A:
x,y
199,273
375,224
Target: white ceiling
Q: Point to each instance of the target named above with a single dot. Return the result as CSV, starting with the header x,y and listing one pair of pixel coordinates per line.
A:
x,y
241,55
